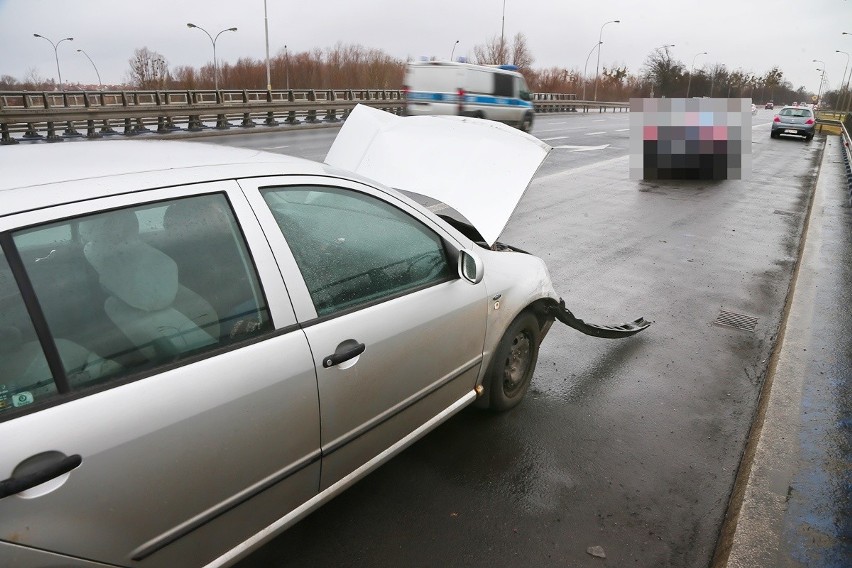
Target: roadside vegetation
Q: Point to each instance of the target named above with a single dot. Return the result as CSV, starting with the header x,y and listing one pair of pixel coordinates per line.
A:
x,y
358,67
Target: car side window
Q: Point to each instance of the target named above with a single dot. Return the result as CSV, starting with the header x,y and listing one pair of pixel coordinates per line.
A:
x,y
354,249
143,286
504,85
24,374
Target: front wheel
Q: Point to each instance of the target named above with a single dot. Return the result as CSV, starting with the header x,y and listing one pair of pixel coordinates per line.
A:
x,y
513,363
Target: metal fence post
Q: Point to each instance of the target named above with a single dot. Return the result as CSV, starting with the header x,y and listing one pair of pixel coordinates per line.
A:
x,y
5,138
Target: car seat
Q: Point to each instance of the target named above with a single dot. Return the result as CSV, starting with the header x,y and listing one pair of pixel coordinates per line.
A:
x,y
146,302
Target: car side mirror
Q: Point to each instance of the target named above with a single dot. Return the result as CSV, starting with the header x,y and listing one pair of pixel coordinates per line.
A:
x,y
470,267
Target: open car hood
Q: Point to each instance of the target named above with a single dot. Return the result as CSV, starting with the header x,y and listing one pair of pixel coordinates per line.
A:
x,y
478,167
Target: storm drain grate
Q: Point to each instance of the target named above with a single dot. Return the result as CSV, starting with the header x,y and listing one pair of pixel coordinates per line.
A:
x,y
735,320
782,212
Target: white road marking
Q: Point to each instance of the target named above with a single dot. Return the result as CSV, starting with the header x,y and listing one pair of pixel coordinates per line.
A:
x,y
275,147
583,148
762,124
573,171
438,207
622,130
554,138
593,133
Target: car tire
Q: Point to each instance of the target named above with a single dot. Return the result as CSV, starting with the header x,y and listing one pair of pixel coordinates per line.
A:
x,y
513,363
809,138
527,122
773,134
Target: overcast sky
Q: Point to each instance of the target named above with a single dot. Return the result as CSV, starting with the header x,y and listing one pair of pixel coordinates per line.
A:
x,y
752,34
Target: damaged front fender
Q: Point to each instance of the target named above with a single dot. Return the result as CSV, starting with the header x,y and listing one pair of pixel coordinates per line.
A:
x,y
558,311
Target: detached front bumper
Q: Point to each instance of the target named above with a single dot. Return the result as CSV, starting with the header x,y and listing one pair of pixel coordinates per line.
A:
x,y
558,311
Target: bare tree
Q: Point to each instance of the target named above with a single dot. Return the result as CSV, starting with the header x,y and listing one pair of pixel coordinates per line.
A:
x,y
521,55
148,69
663,71
492,52
498,52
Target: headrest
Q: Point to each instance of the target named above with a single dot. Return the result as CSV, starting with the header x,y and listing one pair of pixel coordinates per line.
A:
x,y
110,227
128,268
195,216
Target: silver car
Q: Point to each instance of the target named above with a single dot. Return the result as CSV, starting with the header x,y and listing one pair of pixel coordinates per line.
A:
x,y
794,120
200,344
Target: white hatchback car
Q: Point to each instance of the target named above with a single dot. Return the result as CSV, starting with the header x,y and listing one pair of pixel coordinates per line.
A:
x,y
201,344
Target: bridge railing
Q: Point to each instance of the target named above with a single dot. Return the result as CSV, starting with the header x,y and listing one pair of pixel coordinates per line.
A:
x,y
55,115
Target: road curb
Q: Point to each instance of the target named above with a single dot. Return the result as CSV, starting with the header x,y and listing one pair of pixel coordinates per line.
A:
x,y
730,551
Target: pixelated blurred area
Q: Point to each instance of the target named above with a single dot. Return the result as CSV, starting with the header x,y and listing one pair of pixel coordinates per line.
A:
x,y
690,139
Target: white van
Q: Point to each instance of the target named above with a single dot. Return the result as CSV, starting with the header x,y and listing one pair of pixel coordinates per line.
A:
x,y
493,92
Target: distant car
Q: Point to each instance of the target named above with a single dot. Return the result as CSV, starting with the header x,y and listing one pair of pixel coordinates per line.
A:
x,y
770,105
199,345
794,120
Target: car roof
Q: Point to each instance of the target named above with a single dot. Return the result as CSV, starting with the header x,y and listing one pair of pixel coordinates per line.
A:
x,y
41,175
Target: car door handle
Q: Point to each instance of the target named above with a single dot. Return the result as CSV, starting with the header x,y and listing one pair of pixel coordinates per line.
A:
x,y
349,349
14,485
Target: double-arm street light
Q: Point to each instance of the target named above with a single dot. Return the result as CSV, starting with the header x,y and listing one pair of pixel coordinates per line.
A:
x,y
56,54
453,52
100,84
691,72
668,45
213,41
598,66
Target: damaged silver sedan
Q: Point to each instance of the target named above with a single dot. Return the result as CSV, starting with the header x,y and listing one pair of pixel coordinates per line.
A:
x,y
201,345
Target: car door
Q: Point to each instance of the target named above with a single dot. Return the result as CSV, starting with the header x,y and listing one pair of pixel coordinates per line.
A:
x,y
396,335
154,379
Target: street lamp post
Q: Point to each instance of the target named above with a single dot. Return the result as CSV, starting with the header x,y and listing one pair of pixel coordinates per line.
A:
x,y
213,41
691,72
668,45
598,66
56,54
821,81
586,67
100,84
266,32
287,66
819,91
842,79
502,32
453,52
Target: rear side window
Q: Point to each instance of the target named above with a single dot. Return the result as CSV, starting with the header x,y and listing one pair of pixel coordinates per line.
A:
x,y
143,286
353,249
24,373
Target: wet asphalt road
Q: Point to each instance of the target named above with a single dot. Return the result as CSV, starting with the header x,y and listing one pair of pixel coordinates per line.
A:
x,y
631,445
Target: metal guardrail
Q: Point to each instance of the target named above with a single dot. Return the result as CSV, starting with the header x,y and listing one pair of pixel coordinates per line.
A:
x,y
846,150
840,123
101,112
